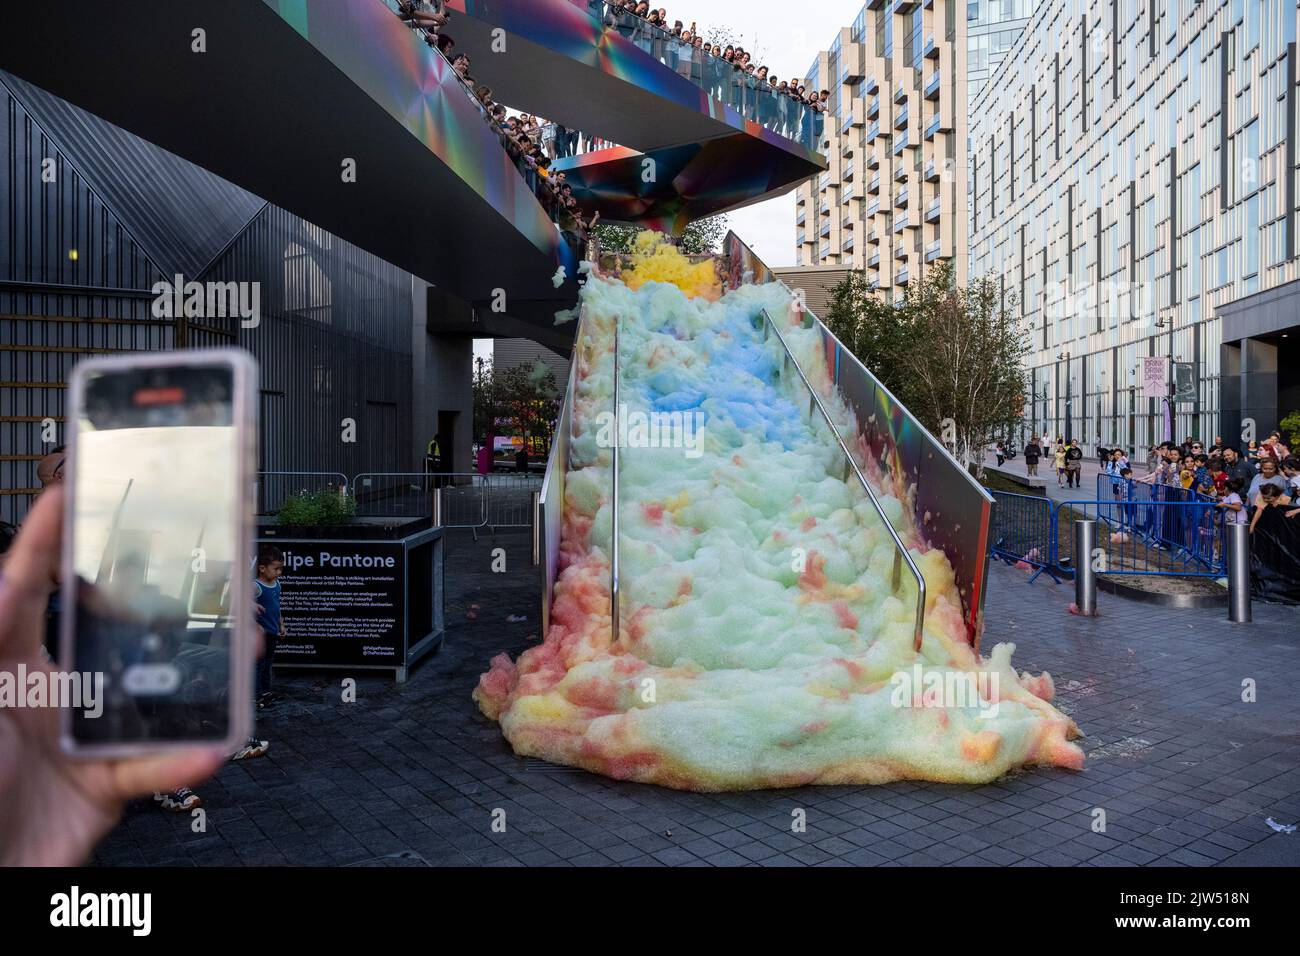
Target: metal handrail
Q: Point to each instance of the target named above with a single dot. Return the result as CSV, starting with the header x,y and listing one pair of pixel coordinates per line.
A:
x,y
901,552
613,536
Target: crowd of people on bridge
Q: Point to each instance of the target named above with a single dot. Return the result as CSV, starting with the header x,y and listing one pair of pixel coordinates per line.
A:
x,y
728,72
523,137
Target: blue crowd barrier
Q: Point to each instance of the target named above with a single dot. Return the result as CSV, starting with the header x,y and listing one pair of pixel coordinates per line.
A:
x,y
1143,529
1155,537
1023,529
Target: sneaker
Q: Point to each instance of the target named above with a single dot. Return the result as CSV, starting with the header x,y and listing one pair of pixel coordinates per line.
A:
x,y
179,801
254,748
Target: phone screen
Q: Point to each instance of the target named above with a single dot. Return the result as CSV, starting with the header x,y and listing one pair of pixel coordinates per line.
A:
x,y
155,550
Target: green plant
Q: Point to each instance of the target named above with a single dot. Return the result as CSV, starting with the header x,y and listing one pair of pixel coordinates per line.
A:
x,y
1290,427
317,508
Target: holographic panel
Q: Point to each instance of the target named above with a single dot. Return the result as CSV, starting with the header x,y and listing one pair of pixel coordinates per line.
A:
x,y
417,87
951,510
568,28
690,182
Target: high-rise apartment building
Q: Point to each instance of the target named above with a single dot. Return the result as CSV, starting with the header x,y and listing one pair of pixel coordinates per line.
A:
x,y
1134,190
894,199
992,28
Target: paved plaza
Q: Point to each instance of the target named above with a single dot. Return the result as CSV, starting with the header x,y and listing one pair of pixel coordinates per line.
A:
x,y
1187,774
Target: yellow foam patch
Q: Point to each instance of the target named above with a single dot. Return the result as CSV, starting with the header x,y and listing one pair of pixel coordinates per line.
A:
x,y
657,260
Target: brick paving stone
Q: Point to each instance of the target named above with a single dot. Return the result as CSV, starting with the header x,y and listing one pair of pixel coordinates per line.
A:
x,y
410,774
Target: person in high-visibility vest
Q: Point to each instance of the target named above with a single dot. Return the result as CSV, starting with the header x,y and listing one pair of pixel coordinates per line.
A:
x,y
433,455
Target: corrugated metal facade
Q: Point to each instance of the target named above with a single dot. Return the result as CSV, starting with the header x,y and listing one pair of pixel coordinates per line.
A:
x,y
83,239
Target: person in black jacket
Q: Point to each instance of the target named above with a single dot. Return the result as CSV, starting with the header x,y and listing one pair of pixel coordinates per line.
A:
x,y
1073,464
1032,453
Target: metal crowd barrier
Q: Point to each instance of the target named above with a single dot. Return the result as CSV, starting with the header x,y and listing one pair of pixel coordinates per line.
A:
x,y
1023,529
1193,530
1158,538
411,495
510,500
1148,535
273,487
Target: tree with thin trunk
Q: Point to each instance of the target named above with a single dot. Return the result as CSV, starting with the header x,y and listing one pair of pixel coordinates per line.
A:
x,y
953,356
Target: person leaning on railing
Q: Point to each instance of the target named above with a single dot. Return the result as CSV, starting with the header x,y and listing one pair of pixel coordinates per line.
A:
x,y
427,15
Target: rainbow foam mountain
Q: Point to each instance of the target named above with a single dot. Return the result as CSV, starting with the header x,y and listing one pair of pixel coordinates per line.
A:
x,y
760,642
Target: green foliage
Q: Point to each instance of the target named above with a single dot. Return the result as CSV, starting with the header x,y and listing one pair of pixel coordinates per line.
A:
x,y
1290,427
318,508
702,237
953,356
523,401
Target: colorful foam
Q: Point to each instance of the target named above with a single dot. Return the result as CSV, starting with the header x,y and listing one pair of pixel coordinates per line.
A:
x,y
761,643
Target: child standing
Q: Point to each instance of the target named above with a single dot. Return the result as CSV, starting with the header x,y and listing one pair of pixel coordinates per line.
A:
x,y
1058,459
266,592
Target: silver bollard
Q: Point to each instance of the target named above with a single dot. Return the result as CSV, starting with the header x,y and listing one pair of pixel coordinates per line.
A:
x,y
1238,544
1085,578
437,507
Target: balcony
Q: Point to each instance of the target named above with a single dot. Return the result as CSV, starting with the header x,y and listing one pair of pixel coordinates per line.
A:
x,y
846,193
870,85
930,51
901,223
825,207
932,210
900,144
823,180
904,6
900,173
872,132
848,172
875,4
932,86
851,72
873,237
900,277
800,219
800,238
873,159
932,127
847,245
872,208
900,198
825,230
900,118
900,251
931,174
873,283
900,94
873,260
873,107
873,187
847,220
824,252
932,251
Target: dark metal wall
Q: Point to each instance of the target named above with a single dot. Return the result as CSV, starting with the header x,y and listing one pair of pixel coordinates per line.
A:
x,y
334,344
80,254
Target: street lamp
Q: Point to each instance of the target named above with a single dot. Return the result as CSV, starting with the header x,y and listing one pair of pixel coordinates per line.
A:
x,y
1069,401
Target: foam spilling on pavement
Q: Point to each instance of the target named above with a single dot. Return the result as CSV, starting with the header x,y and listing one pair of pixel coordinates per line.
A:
x,y
761,643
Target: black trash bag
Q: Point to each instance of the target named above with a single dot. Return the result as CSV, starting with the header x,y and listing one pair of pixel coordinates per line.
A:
x,y
1275,557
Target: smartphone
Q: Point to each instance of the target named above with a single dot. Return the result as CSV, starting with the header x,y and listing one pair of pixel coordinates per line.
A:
x,y
156,607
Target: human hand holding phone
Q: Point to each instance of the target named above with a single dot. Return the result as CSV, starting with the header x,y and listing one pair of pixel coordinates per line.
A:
x,y
54,808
